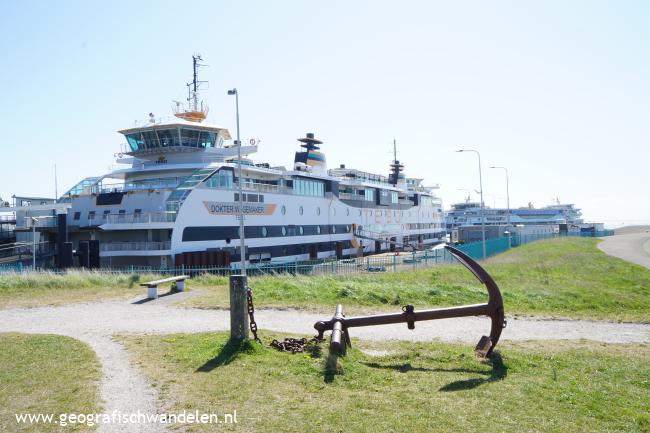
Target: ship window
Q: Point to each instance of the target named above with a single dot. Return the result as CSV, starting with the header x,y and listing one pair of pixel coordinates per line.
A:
x,y
318,211
150,139
207,139
135,141
190,137
317,230
168,137
264,231
300,210
333,229
347,212
334,211
77,215
284,231
284,210
301,230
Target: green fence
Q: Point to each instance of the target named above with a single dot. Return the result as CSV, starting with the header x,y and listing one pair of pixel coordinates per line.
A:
x,y
369,264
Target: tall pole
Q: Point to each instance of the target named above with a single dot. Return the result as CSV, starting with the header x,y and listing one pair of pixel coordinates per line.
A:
x,y
507,200
480,179
33,243
242,247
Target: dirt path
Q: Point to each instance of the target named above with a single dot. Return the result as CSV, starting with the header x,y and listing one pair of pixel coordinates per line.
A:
x,y
633,246
125,389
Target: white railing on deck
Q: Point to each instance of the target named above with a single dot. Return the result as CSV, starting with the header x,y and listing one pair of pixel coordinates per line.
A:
x,y
139,218
135,246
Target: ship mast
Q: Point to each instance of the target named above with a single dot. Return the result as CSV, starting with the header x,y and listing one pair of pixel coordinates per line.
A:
x,y
197,111
396,167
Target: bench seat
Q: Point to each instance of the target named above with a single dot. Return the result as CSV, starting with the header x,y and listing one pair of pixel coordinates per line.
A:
x,y
152,286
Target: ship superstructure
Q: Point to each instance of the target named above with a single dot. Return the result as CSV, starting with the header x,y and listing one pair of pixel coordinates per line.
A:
x,y
173,200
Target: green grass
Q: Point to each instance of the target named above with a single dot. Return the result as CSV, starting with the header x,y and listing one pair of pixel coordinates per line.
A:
x,y
46,374
567,277
46,288
413,387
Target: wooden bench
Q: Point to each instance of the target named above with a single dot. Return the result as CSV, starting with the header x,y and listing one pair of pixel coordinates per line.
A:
x,y
152,286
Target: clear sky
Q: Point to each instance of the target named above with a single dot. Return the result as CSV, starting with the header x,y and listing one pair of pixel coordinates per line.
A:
x,y
557,91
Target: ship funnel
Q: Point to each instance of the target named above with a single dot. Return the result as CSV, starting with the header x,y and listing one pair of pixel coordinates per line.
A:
x,y
311,157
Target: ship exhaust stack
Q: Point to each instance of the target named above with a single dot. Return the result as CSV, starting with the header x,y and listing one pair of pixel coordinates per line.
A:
x,y
311,158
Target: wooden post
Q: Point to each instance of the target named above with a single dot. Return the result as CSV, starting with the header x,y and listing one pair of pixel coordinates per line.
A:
x,y
238,307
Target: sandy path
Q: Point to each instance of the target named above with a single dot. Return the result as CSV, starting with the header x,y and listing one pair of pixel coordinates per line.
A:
x,y
125,389
633,247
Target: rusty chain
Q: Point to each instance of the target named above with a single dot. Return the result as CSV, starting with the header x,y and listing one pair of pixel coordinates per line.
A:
x,y
251,314
293,345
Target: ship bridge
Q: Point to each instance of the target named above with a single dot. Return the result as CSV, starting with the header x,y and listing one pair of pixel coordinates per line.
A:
x,y
177,135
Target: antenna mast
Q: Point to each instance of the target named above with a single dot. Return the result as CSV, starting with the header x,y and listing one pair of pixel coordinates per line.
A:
x,y
195,112
396,167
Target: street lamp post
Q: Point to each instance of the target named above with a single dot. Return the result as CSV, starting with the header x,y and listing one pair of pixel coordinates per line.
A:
x,y
239,291
507,199
242,247
480,179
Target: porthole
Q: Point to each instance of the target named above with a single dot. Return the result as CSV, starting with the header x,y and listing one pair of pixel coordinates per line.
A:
x,y
347,212
333,230
347,229
300,210
284,210
284,231
318,210
264,231
317,230
301,230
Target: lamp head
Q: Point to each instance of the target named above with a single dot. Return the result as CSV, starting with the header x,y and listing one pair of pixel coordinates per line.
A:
x,y
232,92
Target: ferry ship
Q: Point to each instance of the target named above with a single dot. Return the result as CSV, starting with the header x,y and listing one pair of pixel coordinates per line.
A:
x,y
468,213
173,200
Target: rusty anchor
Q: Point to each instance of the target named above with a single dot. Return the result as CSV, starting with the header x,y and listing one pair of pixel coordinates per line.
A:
x,y
339,324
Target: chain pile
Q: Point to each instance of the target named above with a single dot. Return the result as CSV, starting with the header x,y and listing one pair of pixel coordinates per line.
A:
x,y
293,345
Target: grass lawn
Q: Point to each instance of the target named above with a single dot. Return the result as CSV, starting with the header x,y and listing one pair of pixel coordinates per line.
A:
x,y
567,277
410,387
33,290
46,374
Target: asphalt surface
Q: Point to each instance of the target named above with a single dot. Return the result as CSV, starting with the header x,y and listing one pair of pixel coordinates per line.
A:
x,y
632,246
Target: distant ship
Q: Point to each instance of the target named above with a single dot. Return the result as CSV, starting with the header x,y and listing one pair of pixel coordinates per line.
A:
x,y
468,213
174,201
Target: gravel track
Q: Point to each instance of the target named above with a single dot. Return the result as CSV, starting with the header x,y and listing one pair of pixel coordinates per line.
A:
x,y
125,389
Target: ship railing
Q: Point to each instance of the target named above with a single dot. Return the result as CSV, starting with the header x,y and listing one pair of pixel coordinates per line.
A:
x,y
135,246
40,221
121,187
263,187
7,219
141,218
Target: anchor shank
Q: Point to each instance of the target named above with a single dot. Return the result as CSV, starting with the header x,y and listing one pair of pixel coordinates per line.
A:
x,y
438,313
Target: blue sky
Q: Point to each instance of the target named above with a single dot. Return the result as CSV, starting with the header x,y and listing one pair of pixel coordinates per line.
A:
x,y
556,91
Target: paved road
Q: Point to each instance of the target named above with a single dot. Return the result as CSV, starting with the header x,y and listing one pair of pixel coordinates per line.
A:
x,y
633,247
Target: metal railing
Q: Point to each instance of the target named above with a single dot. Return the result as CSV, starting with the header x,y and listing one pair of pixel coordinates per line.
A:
x,y
329,266
135,246
140,218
